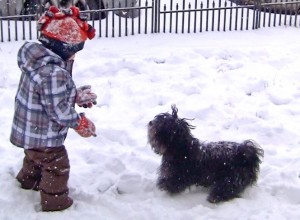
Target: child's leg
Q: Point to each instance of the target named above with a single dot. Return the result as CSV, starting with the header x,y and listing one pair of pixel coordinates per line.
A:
x,y
30,174
54,183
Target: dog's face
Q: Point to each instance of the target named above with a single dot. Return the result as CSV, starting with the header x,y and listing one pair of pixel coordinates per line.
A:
x,y
165,130
159,131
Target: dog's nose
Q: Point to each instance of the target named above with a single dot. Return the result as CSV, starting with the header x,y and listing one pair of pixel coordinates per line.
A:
x,y
150,123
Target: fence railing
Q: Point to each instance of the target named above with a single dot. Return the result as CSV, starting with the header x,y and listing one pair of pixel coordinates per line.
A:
x,y
170,16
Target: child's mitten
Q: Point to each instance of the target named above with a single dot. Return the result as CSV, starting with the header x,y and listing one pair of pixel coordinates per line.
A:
x,y
86,127
84,97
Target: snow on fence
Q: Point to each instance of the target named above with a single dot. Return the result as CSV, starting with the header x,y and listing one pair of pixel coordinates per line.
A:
x,y
169,16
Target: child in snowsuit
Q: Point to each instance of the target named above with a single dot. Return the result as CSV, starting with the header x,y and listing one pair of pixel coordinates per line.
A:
x,y
45,105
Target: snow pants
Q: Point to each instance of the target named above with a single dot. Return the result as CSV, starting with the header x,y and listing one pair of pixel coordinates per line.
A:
x,y
47,170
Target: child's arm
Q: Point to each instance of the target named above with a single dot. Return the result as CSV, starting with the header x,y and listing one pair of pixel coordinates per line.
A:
x,y
58,97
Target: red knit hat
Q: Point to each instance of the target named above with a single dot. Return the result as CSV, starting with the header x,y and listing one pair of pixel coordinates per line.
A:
x,y
64,31
66,25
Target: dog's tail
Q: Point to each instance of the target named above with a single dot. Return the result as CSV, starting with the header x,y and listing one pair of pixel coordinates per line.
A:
x,y
249,157
250,152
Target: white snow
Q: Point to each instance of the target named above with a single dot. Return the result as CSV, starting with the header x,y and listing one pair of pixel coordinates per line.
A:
x,y
235,85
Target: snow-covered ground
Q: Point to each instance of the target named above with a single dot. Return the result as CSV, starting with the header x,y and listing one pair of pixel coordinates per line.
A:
x,y
236,86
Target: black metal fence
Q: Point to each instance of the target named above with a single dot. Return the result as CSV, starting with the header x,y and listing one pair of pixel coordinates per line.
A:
x,y
170,16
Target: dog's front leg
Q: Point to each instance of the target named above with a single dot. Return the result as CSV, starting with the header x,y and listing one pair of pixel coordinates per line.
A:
x,y
172,185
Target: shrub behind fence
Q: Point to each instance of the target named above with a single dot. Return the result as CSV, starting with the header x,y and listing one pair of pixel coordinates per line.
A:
x,y
170,16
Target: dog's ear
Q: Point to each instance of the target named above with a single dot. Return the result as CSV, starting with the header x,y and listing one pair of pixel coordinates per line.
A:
x,y
174,111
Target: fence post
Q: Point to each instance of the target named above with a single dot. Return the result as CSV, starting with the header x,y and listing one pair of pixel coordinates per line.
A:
x,y
156,15
257,10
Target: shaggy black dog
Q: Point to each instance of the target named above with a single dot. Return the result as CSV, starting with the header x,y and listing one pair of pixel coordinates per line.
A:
x,y
227,168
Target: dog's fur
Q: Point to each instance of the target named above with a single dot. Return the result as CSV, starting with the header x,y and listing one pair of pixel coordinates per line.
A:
x,y
227,168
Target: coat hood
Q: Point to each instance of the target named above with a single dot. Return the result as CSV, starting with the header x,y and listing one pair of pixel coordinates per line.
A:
x,y
33,56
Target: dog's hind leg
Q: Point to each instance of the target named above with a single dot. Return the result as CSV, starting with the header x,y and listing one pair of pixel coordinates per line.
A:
x,y
229,188
223,191
232,185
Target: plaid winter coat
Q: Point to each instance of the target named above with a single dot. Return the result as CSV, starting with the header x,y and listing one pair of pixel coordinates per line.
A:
x,y
44,103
